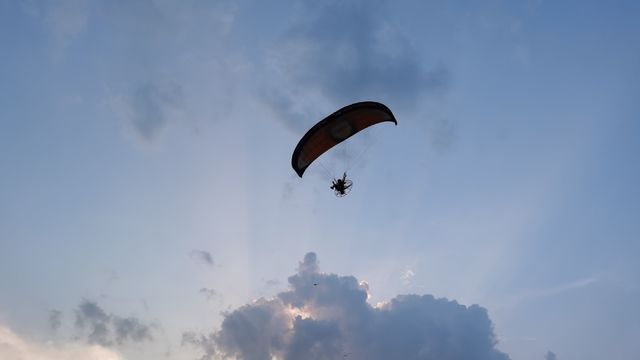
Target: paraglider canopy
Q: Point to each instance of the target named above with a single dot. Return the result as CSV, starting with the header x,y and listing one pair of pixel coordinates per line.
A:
x,y
335,129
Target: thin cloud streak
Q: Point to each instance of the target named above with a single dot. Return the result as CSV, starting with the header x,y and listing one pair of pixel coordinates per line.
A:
x,y
551,291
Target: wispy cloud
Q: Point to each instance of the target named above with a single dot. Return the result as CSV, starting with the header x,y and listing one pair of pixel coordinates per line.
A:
x,y
211,295
99,327
338,52
161,69
551,291
272,282
149,107
206,343
406,276
202,256
66,20
55,319
559,289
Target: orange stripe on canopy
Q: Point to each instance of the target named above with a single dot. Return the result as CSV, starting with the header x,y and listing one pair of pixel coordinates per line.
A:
x,y
335,129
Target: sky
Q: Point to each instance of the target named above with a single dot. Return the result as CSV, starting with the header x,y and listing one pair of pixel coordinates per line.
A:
x,y
148,208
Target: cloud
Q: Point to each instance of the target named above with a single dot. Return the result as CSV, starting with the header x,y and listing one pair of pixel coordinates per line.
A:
x,y
91,316
131,329
108,329
338,52
150,106
326,316
204,342
406,276
66,20
162,71
15,347
272,282
202,256
557,290
309,264
254,331
63,20
550,356
55,319
211,294
442,133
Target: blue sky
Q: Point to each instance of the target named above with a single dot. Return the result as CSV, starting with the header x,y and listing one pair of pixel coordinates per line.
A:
x,y
147,198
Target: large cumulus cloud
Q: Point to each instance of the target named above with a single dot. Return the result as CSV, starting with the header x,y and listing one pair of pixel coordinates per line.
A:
x,y
326,316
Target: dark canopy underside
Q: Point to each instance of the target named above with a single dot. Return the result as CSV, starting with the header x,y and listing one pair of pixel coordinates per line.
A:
x,y
335,129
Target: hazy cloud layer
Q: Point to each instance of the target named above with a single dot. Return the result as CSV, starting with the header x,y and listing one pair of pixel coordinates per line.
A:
x,y
64,21
164,71
550,356
15,347
98,327
172,73
326,316
339,52
155,47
